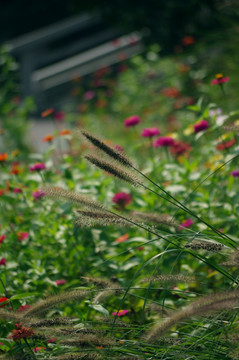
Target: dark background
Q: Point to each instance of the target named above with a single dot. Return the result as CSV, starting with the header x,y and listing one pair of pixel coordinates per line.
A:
x,y
167,21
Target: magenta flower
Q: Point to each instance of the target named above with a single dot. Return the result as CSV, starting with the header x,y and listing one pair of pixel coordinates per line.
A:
x,y
118,148
59,116
3,261
52,340
38,167
89,95
131,121
186,224
38,194
21,235
122,199
235,173
23,308
60,282
220,80
2,238
17,190
150,132
120,313
200,126
163,141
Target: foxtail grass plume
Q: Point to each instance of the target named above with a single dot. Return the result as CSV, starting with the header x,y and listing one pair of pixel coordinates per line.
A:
x,y
44,305
205,245
155,218
113,153
205,305
97,218
170,278
56,192
113,170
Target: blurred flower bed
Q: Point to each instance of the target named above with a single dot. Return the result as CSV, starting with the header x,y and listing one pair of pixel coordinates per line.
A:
x,y
179,124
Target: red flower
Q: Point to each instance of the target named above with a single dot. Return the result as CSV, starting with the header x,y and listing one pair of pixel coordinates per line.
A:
x,y
21,332
2,238
171,92
200,126
59,116
17,190
132,121
188,40
226,144
22,235
2,261
220,80
180,148
164,141
122,199
3,299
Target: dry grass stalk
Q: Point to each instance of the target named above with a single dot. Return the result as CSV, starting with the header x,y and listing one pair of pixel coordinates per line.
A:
x,y
113,153
56,192
205,305
205,245
97,218
114,170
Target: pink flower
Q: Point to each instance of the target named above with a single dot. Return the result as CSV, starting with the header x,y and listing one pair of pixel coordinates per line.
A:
x,y
200,126
89,95
38,194
37,167
164,141
120,313
118,148
39,348
220,80
122,199
17,190
22,235
52,340
2,261
131,121
186,224
150,132
235,173
2,238
59,116
60,282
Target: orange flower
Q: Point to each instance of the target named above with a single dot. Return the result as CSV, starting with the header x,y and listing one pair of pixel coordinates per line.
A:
x,y
188,40
65,132
122,238
15,169
3,157
47,112
48,138
21,332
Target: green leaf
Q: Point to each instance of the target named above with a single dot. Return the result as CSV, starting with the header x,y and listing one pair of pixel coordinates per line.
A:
x,y
100,309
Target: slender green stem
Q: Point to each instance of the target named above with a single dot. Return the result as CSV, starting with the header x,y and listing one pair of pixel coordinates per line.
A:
x,y
34,356
186,209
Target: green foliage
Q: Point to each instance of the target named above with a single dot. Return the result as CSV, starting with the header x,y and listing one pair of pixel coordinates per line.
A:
x,y
115,286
